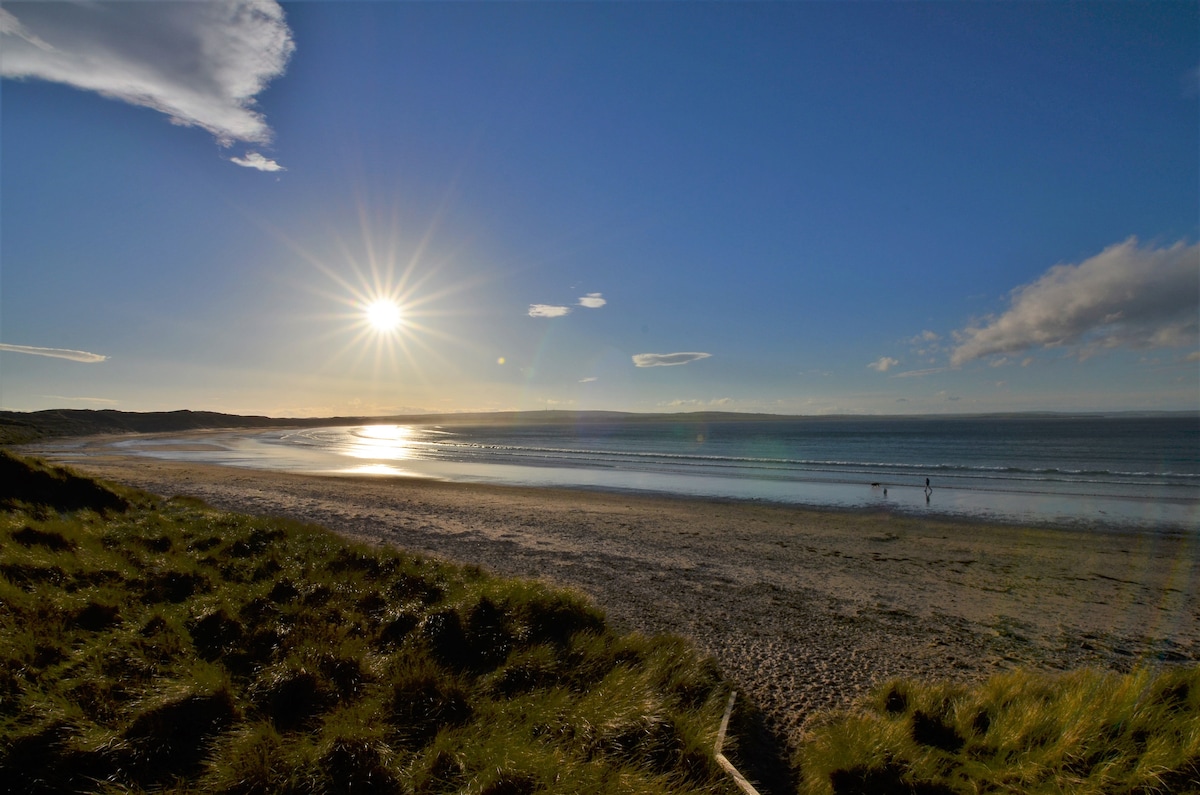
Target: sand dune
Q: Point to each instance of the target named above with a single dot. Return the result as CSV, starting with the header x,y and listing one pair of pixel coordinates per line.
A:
x,y
806,610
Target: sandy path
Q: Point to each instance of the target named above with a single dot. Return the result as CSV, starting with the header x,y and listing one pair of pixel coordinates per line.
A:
x,y
804,609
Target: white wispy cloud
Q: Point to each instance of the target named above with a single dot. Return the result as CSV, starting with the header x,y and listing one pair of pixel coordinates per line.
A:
x,y
920,373
547,310
593,300
1125,296
201,64
101,401
667,359
255,160
56,353
883,364
588,380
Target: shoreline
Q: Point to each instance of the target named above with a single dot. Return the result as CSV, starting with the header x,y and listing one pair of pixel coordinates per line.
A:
x,y
805,609
1158,514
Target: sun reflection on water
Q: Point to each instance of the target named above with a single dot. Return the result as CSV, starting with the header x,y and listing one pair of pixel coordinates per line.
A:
x,y
386,470
383,442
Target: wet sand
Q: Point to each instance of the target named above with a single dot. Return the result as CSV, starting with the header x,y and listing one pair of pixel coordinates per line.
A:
x,y
805,610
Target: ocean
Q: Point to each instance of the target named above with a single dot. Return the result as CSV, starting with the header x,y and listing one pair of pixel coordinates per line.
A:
x,y
1123,472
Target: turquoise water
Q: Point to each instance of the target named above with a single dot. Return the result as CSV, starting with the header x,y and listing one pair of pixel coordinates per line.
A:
x,y
1103,472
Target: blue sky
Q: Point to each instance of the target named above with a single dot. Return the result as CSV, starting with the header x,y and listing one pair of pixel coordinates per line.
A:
x,y
798,208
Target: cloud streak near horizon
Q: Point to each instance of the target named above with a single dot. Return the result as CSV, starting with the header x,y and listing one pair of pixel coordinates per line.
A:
x,y
1124,297
667,359
55,353
101,401
200,64
547,310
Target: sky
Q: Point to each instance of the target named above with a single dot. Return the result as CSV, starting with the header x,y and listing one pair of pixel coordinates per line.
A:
x,y
795,208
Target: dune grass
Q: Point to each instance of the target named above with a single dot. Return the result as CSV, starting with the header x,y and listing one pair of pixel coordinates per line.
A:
x,y
154,645
1085,731
168,647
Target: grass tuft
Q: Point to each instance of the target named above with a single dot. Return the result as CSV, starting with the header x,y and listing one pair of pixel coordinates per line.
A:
x,y
1082,731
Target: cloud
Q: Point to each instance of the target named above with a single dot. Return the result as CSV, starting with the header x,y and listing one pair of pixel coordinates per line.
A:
x,y
924,337
588,380
1125,296
102,401
545,310
56,353
593,301
255,160
201,64
883,364
920,373
1194,356
667,359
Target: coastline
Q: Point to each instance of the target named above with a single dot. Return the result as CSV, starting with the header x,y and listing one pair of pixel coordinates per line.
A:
x,y
805,609
1123,505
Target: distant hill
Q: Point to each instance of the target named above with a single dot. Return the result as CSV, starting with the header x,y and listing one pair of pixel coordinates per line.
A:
x,y
17,427
20,427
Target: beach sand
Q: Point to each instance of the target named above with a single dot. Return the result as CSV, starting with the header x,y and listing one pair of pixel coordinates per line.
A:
x,y
804,610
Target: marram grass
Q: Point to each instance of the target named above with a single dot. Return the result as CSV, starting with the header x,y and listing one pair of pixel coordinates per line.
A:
x,y
161,646
174,648
1084,731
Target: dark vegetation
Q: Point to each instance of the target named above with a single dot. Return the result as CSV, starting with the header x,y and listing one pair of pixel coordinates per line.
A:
x,y
1084,731
163,646
34,485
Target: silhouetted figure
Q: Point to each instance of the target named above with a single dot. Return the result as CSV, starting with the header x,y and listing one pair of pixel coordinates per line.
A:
x,y
928,490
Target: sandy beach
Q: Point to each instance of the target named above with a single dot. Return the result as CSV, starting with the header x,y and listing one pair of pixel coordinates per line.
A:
x,y
804,610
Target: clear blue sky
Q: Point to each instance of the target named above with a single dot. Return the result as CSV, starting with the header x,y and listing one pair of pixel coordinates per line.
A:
x,y
797,208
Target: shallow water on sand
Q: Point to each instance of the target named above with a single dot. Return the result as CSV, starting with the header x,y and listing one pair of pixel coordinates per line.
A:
x,y
1125,472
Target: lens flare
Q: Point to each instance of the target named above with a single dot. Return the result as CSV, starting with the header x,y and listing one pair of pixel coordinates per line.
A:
x,y
384,315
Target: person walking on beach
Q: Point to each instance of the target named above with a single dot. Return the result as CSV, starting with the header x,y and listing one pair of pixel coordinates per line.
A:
x,y
928,490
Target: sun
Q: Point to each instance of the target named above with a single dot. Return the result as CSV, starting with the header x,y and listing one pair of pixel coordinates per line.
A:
x,y
384,315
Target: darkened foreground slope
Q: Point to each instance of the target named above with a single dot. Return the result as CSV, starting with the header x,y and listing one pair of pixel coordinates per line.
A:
x,y
32,483
174,647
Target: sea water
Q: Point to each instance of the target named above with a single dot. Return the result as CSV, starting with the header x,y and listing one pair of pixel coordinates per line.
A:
x,y
1104,472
